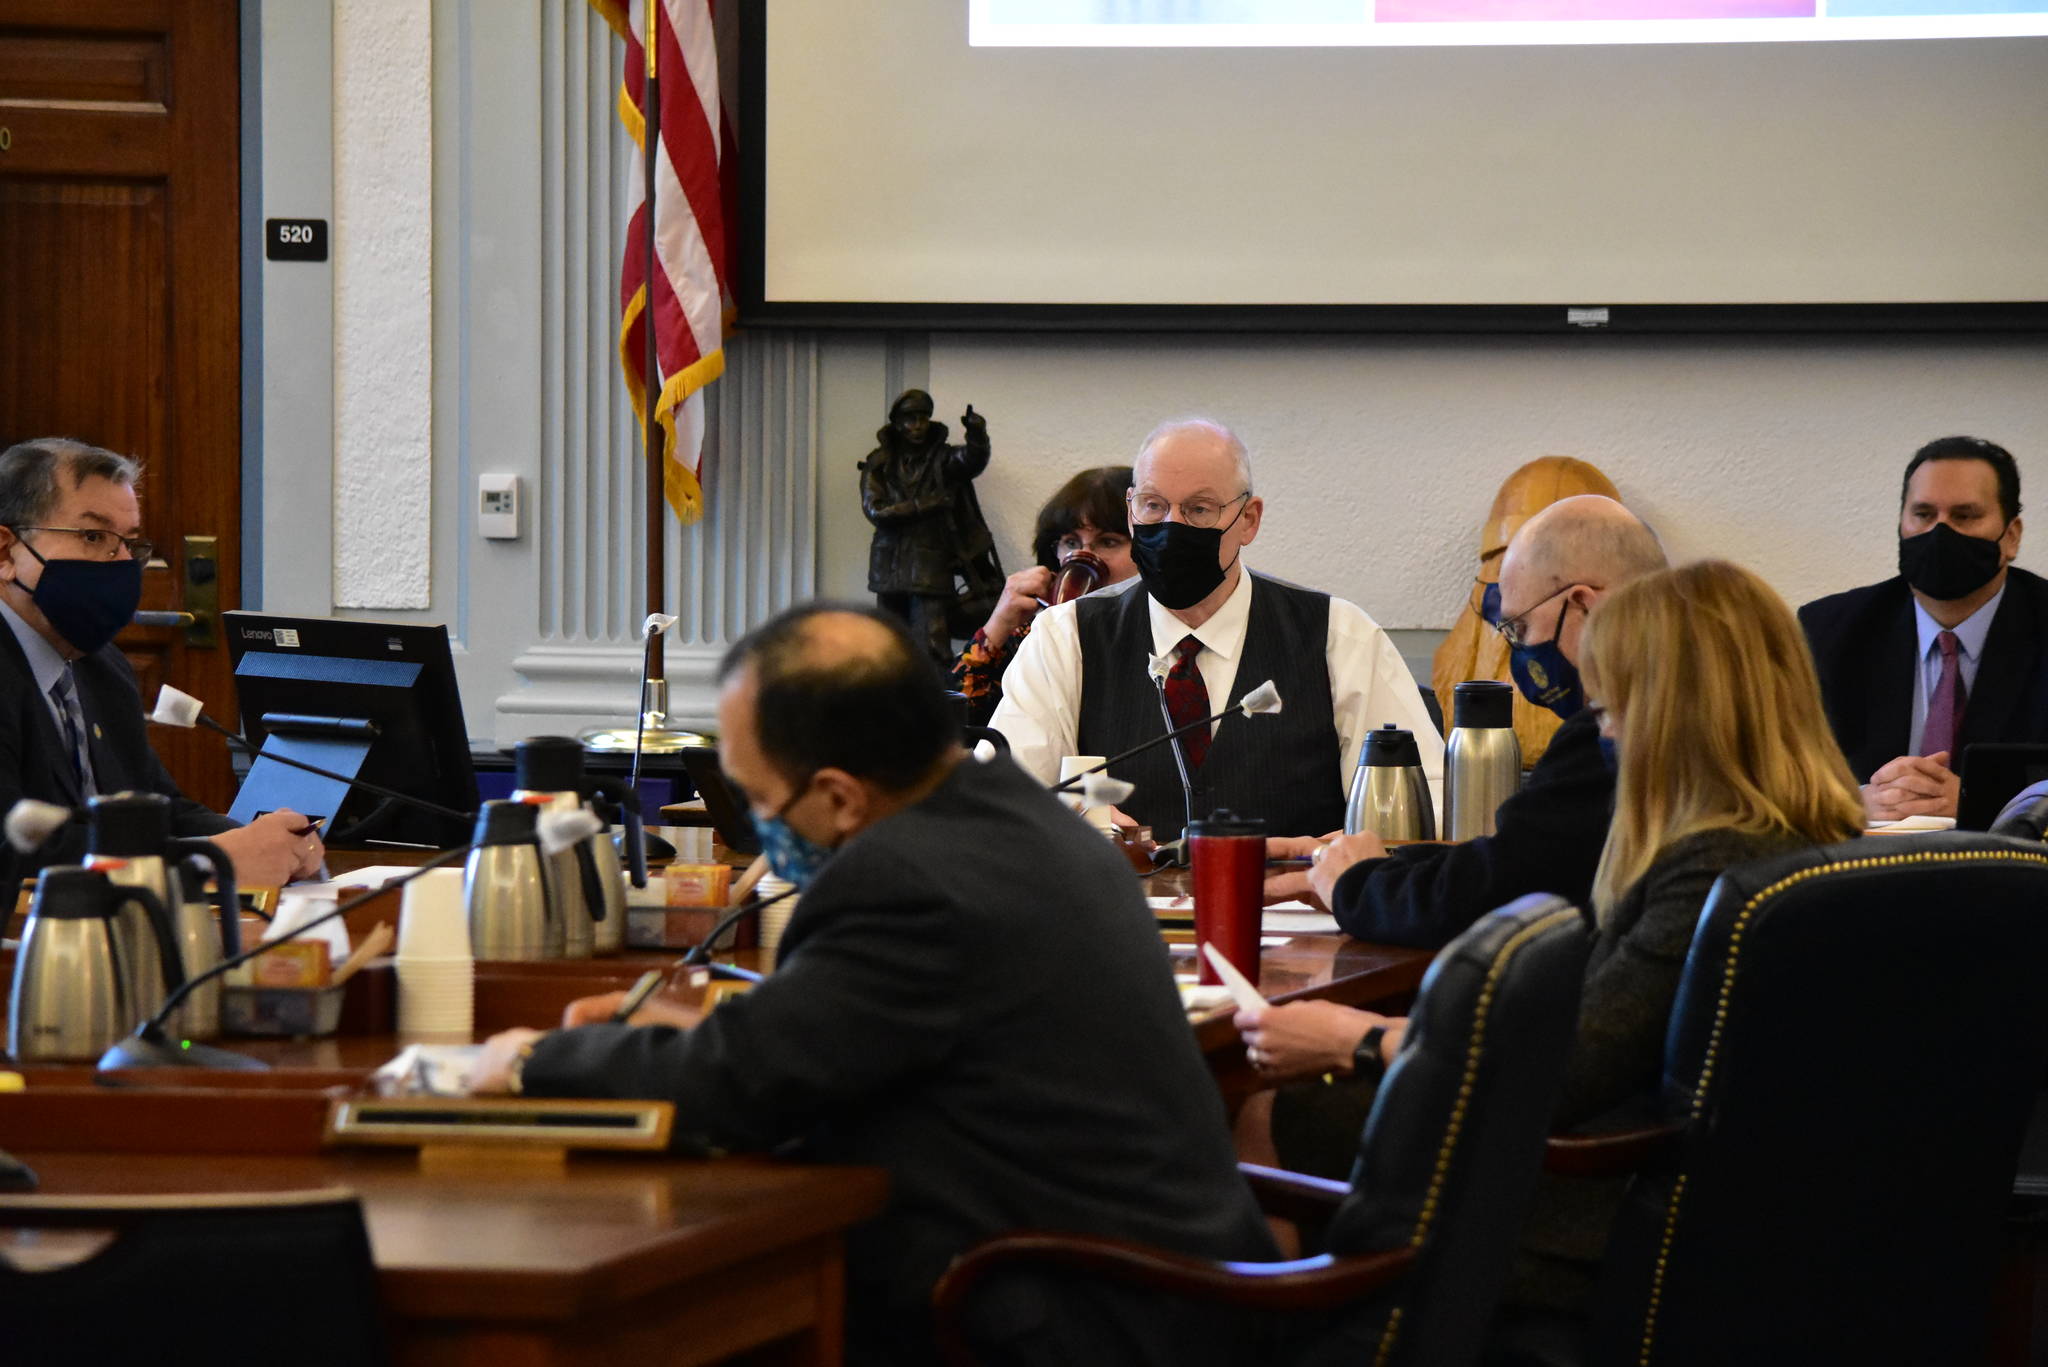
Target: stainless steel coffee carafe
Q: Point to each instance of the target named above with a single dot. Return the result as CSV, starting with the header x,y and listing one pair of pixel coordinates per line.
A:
x,y
128,838
1482,760
513,910
1389,791
549,772
70,998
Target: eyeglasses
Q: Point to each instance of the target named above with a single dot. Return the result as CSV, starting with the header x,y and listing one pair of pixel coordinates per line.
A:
x,y
1148,509
101,545
1516,628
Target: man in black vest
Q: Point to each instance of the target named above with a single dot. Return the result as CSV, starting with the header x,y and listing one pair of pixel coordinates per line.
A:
x,y
1952,651
1010,1068
71,719
1199,630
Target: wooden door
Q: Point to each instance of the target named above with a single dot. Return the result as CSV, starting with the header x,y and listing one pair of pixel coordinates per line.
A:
x,y
120,293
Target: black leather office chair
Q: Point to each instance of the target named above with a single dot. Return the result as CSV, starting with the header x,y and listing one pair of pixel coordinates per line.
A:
x,y
1422,1238
2026,816
281,1277
1855,1048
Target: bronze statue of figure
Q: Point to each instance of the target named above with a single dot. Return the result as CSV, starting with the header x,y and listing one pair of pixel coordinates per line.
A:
x,y
933,562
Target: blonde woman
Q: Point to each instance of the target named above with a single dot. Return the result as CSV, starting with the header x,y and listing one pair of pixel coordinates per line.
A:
x,y
1707,691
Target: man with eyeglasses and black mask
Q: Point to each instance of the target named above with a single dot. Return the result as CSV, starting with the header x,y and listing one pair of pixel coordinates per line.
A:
x,y
1948,653
71,718
1082,682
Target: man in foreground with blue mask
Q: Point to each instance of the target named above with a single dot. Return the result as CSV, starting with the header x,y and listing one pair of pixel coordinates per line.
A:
x,y
1951,651
970,994
1083,681
71,719
1547,837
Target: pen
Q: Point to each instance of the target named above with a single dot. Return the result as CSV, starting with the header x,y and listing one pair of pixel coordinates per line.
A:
x,y
311,826
637,996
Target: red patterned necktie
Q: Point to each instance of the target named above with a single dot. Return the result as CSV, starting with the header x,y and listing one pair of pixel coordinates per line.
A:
x,y
1187,700
1945,708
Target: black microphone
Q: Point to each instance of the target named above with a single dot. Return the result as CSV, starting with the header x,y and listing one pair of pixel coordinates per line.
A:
x,y
175,708
1261,701
700,955
150,1047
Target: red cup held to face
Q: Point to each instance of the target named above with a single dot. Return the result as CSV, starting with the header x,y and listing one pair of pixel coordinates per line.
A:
x,y
1082,572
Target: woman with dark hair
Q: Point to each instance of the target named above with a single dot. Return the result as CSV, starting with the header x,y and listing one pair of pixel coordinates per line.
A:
x,y
1086,514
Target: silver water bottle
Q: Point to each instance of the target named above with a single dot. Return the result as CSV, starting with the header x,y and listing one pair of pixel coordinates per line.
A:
x,y
513,912
1482,760
1389,791
70,999
549,771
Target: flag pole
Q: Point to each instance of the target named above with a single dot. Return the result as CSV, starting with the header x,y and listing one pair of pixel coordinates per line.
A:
x,y
650,731
654,697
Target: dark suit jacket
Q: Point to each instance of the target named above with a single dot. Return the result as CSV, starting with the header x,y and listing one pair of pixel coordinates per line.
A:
x,y
1547,838
34,761
1864,644
973,996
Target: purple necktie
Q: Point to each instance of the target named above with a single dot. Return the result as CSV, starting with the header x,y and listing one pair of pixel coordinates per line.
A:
x,y
1945,708
1187,700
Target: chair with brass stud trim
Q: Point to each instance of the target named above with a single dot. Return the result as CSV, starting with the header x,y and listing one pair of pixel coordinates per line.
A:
x,y
1854,1051
1422,1237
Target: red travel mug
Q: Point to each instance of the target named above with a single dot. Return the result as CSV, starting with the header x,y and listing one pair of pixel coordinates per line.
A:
x,y
1229,856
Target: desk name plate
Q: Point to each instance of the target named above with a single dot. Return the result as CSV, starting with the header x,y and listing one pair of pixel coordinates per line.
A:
x,y
412,1122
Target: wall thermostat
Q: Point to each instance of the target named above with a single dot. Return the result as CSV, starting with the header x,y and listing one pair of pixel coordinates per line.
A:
x,y
497,507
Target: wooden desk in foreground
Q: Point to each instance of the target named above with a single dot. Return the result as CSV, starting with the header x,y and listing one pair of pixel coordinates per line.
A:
x,y
609,1260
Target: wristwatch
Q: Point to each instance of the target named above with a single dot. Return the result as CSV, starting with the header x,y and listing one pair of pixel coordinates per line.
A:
x,y
1366,1063
515,1076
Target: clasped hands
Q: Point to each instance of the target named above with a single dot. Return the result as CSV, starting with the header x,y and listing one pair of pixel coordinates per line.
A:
x,y
1912,785
493,1072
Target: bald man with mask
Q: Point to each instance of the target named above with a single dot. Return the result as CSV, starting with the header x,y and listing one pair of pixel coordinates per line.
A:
x,y
1082,682
1548,835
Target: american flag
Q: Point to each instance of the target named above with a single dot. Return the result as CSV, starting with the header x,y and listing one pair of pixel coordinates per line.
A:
x,y
696,178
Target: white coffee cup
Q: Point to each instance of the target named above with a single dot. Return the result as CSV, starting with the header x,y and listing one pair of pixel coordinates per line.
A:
x,y
1071,766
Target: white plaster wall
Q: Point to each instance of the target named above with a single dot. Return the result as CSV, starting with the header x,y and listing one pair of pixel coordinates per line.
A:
x,y
383,285
1378,459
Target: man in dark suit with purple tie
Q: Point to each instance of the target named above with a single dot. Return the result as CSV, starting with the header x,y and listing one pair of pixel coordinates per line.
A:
x,y
1952,651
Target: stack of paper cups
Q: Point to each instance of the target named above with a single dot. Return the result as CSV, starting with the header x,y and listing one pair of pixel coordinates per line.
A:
x,y
436,975
775,919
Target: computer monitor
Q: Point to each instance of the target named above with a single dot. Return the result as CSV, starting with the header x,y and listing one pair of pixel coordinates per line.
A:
x,y
373,700
1993,773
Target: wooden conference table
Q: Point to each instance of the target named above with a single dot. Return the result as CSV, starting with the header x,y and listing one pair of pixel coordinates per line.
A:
x,y
607,1259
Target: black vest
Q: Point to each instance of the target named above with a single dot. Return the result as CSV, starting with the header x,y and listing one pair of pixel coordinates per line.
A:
x,y
1283,768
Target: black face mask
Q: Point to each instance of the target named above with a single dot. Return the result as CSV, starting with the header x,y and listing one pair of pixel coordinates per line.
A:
x,y
87,601
1178,562
1945,564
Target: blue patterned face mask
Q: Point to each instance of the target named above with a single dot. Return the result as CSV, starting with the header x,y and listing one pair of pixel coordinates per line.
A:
x,y
792,856
1545,676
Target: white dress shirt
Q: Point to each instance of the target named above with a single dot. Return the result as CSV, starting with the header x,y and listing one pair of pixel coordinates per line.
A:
x,y
1370,685
1970,634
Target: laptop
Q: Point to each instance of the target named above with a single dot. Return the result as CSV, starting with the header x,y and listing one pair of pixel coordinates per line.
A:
x,y
1993,774
728,812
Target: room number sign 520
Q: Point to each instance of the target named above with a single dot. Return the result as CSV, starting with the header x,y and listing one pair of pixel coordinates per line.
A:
x,y
295,239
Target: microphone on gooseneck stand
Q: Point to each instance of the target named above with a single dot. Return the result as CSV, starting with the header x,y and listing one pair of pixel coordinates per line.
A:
x,y
649,845
1261,701
182,710
151,1047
